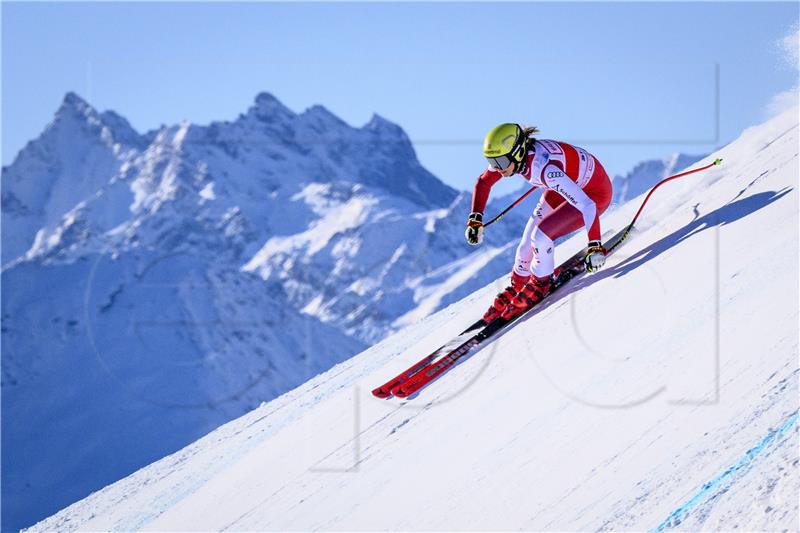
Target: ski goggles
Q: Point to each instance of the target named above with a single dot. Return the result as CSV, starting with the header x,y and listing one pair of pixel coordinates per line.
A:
x,y
504,161
500,163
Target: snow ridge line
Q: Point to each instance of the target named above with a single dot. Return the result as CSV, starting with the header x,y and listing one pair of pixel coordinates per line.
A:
x,y
677,516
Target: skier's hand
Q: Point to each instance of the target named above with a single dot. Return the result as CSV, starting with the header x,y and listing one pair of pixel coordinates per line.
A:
x,y
474,231
595,256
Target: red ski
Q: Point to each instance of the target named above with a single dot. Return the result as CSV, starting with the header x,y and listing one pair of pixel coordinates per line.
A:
x,y
430,372
385,390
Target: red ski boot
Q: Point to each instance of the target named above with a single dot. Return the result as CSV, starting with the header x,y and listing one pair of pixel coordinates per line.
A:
x,y
531,293
503,298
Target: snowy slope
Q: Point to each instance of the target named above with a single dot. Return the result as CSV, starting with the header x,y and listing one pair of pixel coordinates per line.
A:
x,y
659,393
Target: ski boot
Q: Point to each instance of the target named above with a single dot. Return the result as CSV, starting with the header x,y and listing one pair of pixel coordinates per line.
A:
x,y
504,297
530,295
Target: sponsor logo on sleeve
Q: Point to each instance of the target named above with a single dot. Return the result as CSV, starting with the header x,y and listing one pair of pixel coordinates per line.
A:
x,y
565,194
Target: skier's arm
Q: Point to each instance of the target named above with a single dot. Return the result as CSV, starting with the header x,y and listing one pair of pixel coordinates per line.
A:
x,y
480,194
556,179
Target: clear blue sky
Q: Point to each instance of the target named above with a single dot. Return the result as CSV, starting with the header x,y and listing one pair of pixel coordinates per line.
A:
x,y
628,80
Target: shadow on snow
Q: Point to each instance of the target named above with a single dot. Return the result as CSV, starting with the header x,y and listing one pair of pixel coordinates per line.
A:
x,y
727,214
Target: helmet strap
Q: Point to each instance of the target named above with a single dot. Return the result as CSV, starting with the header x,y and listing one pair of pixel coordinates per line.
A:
x,y
529,144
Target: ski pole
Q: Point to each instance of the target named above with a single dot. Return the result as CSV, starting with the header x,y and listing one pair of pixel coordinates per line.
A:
x,y
716,162
507,209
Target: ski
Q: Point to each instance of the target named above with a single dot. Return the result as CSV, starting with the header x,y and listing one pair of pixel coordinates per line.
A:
x,y
426,373
384,391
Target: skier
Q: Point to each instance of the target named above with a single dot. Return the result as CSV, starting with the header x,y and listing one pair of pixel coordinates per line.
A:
x,y
577,192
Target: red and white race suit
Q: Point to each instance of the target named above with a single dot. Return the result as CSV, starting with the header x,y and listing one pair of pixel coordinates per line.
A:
x,y
577,192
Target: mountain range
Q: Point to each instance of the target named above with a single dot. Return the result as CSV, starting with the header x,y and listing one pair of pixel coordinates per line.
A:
x,y
157,285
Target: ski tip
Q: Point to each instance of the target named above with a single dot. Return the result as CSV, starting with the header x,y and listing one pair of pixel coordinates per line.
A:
x,y
381,393
718,161
399,392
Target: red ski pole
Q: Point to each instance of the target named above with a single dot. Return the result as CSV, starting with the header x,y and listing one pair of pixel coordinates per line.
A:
x,y
716,162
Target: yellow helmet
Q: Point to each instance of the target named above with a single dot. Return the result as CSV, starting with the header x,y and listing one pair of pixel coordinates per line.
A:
x,y
504,145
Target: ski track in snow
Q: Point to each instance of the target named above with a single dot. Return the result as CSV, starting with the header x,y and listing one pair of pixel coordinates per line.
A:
x,y
691,427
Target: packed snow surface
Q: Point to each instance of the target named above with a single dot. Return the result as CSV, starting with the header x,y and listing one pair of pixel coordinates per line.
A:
x,y
660,393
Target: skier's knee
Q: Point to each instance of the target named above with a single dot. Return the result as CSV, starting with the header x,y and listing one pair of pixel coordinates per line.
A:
x,y
542,244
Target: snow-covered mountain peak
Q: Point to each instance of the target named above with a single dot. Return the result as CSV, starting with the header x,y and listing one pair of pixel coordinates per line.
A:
x,y
268,108
385,128
73,103
76,116
79,152
320,118
76,122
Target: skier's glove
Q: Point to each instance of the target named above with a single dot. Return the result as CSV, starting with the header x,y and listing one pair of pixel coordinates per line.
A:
x,y
474,231
595,256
